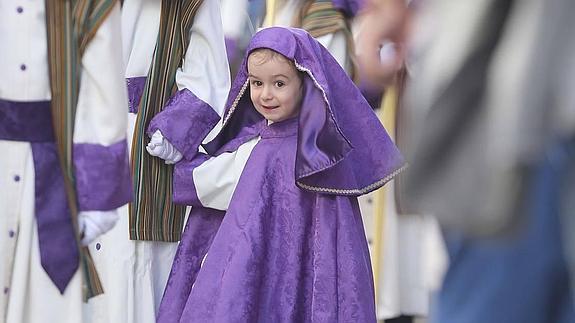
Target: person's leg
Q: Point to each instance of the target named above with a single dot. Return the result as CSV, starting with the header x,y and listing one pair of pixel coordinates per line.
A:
x,y
523,278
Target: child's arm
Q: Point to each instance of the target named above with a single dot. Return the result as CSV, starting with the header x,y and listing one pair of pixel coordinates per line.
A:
x,y
183,124
210,181
203,82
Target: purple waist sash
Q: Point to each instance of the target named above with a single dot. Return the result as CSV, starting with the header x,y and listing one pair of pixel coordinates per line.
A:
x,y
26,121
32,122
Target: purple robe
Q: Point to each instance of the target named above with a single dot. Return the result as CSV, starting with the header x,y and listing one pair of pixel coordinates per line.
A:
x,y
281,253
291,246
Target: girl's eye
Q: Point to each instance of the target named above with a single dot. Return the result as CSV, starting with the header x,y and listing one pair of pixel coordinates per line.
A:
x,y
257,83
280,83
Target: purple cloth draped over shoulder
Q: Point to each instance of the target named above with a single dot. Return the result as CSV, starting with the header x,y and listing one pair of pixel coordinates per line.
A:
x,y
102,180
291,246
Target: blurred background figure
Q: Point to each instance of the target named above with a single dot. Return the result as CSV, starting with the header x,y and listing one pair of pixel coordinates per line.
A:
x,y
492,120
240,20
408,254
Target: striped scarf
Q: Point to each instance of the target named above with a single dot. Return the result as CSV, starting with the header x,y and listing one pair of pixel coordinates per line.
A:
x,y
153,216
71,25
320,18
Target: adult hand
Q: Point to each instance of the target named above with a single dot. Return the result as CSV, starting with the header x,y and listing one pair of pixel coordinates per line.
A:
x,y
383,23
162,148
92,224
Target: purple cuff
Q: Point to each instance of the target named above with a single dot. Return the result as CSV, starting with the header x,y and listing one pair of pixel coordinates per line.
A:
x,y
185,122
102,176
183,181
135,89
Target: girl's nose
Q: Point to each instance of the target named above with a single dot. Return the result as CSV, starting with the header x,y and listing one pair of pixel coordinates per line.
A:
x,y
266,94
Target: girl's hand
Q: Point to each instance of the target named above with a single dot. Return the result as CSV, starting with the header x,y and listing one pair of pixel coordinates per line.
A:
x,y
162,148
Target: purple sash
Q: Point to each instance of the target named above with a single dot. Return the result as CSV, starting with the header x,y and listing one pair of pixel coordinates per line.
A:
x,y
32,122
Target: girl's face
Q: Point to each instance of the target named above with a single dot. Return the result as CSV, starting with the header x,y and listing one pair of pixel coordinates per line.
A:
x,y
275,85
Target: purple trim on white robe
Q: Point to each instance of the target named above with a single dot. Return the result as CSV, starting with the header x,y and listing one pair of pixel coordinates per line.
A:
x,y
135,89
183,129
102,176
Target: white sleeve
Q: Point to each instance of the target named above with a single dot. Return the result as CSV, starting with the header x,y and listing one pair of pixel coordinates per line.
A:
x,y
205,71
140,25
235,15
102,113
216,179
100,148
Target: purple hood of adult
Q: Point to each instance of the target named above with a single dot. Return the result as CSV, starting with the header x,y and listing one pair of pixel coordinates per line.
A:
x,y
342,147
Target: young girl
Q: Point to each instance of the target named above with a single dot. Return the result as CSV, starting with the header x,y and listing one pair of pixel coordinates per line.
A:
x,y
276,233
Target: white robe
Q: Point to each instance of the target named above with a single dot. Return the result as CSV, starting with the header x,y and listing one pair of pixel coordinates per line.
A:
x,y
407,251
412,259
28,295
234,17
134,273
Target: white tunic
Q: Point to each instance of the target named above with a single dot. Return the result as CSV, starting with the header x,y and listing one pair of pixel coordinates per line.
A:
x,y
27,294
134,273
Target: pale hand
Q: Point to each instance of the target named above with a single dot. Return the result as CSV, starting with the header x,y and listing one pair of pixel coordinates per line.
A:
x,y
162,148
92,224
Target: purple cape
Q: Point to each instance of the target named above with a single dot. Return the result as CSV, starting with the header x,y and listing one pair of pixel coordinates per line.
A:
x,y
285,251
